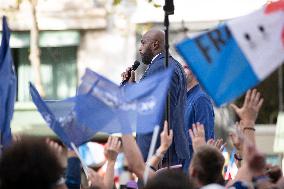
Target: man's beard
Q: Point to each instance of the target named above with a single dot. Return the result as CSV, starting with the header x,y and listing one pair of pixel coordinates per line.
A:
x,y
147,57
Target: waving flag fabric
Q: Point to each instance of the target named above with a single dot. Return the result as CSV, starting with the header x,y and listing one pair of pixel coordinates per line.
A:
x,y
133,108
236,56
61,118
101,105
7,86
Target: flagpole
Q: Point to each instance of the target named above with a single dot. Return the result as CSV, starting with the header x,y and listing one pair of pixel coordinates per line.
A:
x,y
169,10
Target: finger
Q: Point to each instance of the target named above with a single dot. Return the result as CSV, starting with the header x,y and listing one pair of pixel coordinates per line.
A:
x,y
210,141
256,99
201,130
132,77
128,69
165,130
194,129
247,98
171,134
252,97
124,75
223,146
258,106
108,141
216,142
191,134
219,143
235,107
115,142
47,140
118,145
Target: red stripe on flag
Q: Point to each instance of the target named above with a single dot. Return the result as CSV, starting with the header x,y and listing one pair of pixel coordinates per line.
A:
x,y
274,6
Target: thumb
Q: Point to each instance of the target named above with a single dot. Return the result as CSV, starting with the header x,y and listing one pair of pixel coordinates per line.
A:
x,y
235,107
132,77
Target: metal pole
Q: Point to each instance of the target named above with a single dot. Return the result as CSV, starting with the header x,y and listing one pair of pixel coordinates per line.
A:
x,y
169,9
280,89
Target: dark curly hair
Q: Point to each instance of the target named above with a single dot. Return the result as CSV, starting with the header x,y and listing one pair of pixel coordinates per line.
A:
x,y
30,163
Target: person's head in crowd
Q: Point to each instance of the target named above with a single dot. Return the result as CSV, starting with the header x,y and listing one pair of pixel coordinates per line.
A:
x,y
152,43
169,179
206,166
31,163
191,80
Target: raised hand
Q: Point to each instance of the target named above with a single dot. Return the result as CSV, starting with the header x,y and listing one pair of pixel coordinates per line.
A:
x,y
58,149
249,111
197,135
217,143
237,138
112,148
166,139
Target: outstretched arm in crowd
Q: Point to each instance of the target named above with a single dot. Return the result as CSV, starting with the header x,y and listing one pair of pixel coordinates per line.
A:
x,y
133,156
111,151
252,170
248,113
166,141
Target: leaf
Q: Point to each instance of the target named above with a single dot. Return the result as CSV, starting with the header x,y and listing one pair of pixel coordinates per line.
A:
x,y
157,5
116,2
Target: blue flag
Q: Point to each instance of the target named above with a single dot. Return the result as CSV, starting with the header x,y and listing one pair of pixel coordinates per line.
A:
x,y
106,107
238,55
101,105
61,118
8,86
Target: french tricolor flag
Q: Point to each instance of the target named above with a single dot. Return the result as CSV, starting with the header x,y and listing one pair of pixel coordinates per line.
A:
x,y
236,56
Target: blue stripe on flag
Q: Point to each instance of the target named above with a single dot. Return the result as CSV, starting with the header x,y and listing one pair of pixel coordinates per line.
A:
x,y
219,64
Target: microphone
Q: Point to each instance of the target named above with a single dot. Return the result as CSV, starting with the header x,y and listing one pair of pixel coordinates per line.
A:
x,y
133,68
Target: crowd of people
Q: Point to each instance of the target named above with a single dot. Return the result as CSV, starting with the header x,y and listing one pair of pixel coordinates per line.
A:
x,y
195,160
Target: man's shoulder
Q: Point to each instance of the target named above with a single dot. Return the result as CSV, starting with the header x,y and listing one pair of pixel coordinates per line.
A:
x,y
160,61
200,96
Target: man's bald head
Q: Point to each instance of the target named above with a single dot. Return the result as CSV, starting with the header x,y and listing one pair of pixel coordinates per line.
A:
x,y
156,35
152,43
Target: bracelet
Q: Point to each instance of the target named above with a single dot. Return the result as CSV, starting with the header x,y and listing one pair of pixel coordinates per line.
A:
x,y
237,157
249,128
151,166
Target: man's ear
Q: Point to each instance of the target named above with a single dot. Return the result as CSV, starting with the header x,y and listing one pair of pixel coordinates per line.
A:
x,y
156,45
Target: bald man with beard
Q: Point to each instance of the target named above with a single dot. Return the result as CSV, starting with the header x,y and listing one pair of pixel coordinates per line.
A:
x,y
152,54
